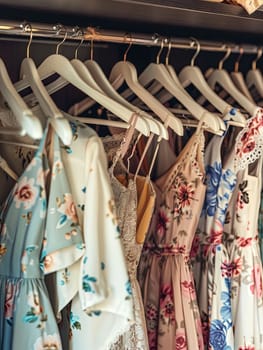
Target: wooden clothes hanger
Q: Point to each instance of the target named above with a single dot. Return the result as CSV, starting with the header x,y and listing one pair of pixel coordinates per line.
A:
x,y
30,77
158,72
146,122
254,77
105,87
4,166
192,74
124,71
59,64
167,78
30,125
104,84
221,77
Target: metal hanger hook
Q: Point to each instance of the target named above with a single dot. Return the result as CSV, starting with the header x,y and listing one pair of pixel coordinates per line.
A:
x,y
160,51
60,27
168,52
27,27
241,53
259,54
80,32
129,46
221,62
198,49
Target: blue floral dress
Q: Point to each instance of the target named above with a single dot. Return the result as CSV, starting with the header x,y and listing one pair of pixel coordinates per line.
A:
x,y
40,234
208,250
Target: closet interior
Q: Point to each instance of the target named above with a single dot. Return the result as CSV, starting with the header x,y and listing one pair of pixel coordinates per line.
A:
x,y
131,138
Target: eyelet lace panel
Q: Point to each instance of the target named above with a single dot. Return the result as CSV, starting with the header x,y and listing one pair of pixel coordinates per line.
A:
x,y
249,143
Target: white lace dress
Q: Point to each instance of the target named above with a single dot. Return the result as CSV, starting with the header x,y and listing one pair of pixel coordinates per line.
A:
x,y
125,195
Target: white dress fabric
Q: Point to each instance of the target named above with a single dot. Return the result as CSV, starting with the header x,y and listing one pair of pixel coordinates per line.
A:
x,y
102,308
125,195
241,234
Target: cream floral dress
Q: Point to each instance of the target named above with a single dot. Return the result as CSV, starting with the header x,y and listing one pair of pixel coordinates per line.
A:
x,y
241,235
101,307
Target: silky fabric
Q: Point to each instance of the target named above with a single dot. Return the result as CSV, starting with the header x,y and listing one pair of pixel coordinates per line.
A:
x,y
145,206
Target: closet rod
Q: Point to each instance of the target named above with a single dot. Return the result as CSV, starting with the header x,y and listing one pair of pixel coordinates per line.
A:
x,y
58,31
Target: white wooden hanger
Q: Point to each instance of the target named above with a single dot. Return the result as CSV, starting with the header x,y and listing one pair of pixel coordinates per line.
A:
x,y
238,78
106,86
4,165
30,77
124,71
59,64
192,74
221,77
158,72
254,77
153,125
30,124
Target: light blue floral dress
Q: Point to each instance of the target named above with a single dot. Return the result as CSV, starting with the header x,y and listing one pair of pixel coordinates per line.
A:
x,y
208,250
40,234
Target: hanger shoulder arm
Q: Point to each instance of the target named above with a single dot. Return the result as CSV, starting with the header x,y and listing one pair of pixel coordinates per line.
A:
x,y
24,115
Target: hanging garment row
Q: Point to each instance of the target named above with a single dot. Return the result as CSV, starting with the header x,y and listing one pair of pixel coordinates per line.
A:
x,y
141,237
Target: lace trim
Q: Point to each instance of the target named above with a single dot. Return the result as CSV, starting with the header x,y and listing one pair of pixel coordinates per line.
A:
x,y
135,336
249,143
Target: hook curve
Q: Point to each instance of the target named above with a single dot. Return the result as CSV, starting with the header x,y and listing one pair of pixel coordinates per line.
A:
x,y
168,52
129,46
259,54
198,49
59,29
221,62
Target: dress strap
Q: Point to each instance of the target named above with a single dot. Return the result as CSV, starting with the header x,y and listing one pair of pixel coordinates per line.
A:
x,y
125,143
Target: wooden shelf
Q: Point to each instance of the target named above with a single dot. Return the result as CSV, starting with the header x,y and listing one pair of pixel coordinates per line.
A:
x,y
186,16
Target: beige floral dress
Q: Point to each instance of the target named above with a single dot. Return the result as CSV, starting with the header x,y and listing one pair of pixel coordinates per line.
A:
x,y
165,276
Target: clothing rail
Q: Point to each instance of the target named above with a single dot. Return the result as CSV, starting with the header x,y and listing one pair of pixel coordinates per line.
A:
x,y
58,31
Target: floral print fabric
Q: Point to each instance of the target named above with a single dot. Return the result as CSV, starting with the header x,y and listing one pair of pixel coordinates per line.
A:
x,y
209,255
102,307
40,234
165,276
246,266
260,226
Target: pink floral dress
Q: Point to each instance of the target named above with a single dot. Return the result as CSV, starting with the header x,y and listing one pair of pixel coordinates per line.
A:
x,y
242,239
164,273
